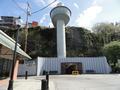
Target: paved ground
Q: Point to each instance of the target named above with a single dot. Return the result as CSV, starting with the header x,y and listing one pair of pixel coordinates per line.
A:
x,y
86,82
32,83
3,84
27,85
68,82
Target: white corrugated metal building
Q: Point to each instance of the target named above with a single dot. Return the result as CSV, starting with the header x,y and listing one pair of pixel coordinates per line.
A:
x,y
28,65
96,64
52,64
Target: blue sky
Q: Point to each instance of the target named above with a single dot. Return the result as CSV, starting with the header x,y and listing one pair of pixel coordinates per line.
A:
x,y
85,13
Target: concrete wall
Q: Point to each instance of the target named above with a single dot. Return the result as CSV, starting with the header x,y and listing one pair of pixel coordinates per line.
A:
x,y
98,64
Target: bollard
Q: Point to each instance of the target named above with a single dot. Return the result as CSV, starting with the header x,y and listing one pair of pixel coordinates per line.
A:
x,y
44,85
47,78
26,75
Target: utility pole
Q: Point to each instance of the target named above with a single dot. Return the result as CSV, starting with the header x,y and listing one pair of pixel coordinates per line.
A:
x,y
26,25
11,81
29,13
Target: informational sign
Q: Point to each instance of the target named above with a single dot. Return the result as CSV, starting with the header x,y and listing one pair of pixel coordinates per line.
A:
x,y
75,72
34,24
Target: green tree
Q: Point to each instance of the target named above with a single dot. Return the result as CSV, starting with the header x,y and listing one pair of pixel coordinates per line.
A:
x,y
112,52
107,32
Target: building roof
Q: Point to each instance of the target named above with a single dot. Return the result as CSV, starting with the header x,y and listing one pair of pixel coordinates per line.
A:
x,y
7,45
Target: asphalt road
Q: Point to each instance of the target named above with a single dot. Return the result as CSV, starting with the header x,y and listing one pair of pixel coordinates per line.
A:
x,y
85,82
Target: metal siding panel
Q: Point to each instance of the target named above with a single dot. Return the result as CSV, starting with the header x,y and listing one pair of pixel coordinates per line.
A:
x,y
46,63
38,64
30,67
51,66
101,66
90,62
98,64
106,65
59,65
41,66
108,68
92,59
86,66
93,65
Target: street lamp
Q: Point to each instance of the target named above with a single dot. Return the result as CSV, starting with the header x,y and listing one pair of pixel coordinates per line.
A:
x,y
11,81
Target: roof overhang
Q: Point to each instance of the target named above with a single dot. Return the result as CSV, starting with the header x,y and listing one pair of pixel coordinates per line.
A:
x,y
7,45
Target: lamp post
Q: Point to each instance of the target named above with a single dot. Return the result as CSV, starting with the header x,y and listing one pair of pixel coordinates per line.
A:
x,y
11,81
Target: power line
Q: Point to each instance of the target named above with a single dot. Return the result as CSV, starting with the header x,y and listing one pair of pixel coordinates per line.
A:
x,y
19,6
44,7
34,11
27,12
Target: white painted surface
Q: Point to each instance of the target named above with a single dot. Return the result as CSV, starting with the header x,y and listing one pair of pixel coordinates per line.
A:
x,y
60,12
29,84
85,82
98,64
61,42
71,82
29,66
60,16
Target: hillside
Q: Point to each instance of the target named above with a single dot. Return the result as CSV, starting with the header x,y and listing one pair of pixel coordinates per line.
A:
x,y
79,42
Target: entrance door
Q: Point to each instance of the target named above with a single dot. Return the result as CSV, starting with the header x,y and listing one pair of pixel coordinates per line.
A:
x,y
68,67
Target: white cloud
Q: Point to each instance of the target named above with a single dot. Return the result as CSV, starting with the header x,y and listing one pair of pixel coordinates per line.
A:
x,y
76,5
101,2
43,19
50,24
54,4
86,18
23,5
39,2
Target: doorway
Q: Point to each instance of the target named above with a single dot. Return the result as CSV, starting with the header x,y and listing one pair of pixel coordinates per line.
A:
x,y
68,67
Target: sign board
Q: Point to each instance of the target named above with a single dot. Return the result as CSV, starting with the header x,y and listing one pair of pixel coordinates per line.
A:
x,y
34,24
75,72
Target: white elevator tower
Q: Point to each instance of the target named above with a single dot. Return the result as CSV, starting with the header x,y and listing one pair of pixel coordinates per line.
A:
x,y
60,16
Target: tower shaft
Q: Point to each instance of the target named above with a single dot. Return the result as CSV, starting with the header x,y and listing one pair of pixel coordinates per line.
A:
x,y
61,40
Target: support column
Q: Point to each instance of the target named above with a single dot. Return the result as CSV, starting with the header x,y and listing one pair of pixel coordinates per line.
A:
x,y
61,42
16,69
